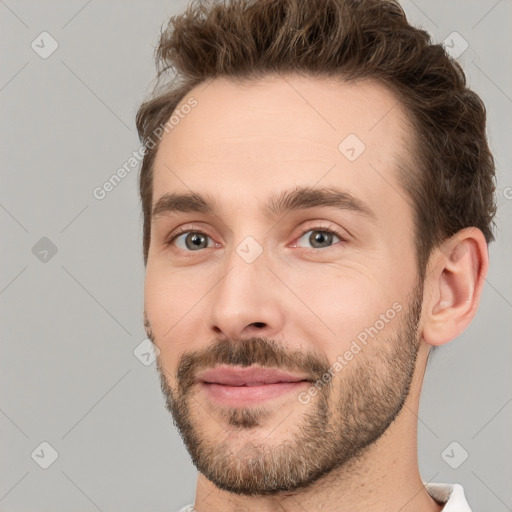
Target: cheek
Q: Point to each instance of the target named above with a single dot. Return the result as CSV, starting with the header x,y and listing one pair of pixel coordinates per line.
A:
x,y
169,301
337,307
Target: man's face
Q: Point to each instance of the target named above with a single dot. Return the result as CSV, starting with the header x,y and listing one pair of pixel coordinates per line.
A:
x,y
287,336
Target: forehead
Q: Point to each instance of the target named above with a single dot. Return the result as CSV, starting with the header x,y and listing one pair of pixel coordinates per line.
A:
x,y
281,131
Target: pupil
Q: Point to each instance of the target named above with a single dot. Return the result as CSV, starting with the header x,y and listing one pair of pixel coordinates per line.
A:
x,y
320,237
196,239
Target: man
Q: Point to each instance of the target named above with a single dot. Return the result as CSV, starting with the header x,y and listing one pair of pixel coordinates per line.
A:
x,y
318,196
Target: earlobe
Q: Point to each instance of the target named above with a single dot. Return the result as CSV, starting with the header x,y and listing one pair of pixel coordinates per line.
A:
x,y
454,286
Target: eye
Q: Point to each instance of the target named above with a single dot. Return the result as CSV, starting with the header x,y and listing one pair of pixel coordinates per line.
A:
x,y
192,240
320,237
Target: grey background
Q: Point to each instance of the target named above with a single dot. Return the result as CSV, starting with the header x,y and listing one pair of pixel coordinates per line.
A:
x,y
70,324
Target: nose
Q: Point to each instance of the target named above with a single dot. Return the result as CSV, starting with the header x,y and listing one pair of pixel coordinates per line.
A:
x,y
246,301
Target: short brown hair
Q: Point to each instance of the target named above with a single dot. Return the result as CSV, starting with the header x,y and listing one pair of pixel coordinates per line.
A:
x,y
451,181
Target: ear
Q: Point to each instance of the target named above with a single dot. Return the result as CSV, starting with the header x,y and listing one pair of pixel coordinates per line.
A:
x,y
453,285
147,326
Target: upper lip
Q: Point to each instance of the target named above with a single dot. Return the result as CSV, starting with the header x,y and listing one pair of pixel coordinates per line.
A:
x,y
238,376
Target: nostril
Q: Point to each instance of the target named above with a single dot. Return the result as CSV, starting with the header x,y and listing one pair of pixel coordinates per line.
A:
x,y
259,324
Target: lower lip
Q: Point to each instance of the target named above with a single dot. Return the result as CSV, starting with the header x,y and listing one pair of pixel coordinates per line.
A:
x,y
248,395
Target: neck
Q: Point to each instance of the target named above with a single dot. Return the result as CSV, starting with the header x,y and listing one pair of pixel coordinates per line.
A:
x,y
392,486
383,478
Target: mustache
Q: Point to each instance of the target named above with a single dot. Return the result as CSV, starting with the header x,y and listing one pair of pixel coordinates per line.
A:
x,y
247,352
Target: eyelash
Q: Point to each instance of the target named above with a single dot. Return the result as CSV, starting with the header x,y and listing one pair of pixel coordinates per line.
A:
x,y
322,229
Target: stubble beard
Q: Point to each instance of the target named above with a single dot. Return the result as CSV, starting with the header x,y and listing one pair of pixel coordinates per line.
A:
x,y
330,433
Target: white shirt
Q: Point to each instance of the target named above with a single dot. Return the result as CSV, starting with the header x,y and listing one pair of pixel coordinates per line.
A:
x,y
452,495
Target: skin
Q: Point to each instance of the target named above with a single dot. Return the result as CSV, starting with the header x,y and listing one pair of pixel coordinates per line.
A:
x,y
241,144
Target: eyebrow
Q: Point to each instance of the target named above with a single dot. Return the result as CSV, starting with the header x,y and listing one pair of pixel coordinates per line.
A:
x,y
299,198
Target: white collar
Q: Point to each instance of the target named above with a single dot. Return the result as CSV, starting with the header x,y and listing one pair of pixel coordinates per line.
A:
x,y
452,495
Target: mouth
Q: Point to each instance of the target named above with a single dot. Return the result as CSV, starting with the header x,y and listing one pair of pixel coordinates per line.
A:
x,y
237,386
